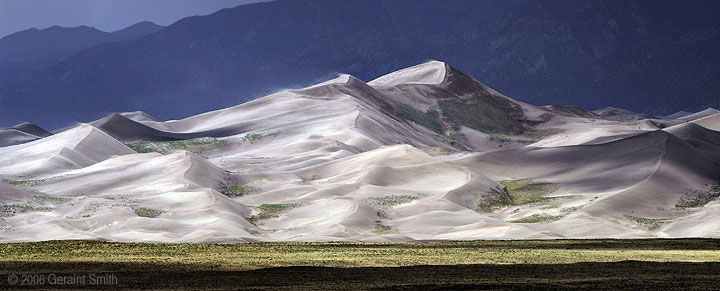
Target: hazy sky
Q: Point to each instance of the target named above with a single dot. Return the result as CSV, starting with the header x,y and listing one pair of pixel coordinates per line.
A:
x,y
107,15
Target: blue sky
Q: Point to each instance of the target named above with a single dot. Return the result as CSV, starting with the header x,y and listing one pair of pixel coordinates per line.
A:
x,y
107,15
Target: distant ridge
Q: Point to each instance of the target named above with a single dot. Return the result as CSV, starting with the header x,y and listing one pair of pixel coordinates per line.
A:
x,y
21,133
35,49
701,114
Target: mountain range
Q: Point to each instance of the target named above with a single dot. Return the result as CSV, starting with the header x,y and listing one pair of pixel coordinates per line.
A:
x,y
35,49
651,57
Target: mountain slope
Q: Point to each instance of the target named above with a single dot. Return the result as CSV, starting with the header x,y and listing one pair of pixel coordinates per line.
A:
x,y
640,55
24,53
21,133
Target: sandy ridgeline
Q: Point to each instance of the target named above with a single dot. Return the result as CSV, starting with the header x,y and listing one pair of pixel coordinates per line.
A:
x,y
425,153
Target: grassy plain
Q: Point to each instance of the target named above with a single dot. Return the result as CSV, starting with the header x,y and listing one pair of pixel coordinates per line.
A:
x,y
498,264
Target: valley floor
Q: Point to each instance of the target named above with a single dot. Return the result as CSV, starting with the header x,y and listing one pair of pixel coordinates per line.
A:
x,y
605,264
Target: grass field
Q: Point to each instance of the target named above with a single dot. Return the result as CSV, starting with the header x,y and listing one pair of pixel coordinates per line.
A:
x,y
624,264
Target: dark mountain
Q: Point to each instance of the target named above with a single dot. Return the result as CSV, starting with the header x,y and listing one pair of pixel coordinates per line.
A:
x,y
648,56
21,133
39,48
34,49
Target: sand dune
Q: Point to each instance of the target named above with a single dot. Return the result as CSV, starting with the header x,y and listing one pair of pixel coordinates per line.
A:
x,y
72,149
709,122
621,114
138,116
676,115
701,114
415,155
623,181
138,197
595,136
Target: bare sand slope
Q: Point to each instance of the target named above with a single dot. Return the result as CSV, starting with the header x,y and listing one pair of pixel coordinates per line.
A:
x,y
709,122
138,197
388,194
344,106
12,192
594,136
701,114
621,114
633,186
425,153
76,148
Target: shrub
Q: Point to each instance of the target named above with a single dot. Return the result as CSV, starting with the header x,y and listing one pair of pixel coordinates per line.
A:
x,y
238,190
165,147
269,211
650,223
698,198
252,136
538,218
147,212
527,191
389,201
26,182
384,229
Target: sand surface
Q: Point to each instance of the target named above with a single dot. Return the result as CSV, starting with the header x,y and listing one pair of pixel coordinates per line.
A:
x,y
382,161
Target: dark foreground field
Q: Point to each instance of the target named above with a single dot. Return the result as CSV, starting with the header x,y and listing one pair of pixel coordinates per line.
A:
x,y
591,264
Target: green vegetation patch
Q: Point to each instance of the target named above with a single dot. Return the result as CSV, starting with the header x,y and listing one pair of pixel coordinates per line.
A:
x,y
27,182
147,212
444,151
538,218
488,114
650,223
82,255
40,203
43,199
269,211
542,133
253,136
547,218
11,209
698,198
384,229
408,112
527,191
501,137
238,190
455,142
497,198
165,147
385,202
